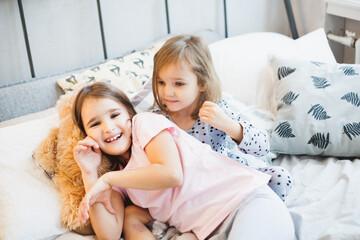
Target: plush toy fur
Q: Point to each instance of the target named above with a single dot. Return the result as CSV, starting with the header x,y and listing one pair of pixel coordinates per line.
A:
x,y
55,156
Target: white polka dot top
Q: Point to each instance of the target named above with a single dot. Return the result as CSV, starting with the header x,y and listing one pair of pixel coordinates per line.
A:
x,y
255,141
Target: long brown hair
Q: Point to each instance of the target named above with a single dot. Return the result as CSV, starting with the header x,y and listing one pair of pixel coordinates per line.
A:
x,y
195,52
100,90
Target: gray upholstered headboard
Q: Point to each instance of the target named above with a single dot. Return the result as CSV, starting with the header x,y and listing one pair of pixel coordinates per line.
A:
x,y
28,97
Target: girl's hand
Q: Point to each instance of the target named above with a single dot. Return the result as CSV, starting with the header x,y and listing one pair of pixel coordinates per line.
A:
x,y
213,115
87,155
100,192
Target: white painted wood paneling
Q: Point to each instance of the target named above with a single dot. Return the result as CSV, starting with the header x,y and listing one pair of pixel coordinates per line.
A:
x,y
257,16
14,65
196,15
344,8
132,24
63,34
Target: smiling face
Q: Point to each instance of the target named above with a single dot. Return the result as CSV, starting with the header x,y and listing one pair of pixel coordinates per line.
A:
x,y
178,88
108,123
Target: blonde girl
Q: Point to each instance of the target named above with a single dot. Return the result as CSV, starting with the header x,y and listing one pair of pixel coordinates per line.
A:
x,y
170,175
187,90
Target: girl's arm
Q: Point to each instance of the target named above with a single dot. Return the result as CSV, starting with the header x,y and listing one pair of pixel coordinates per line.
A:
x,y
107,225
250,139
107,214
165,171
212,114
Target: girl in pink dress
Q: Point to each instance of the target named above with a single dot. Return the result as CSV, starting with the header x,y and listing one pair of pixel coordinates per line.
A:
x,y
170,175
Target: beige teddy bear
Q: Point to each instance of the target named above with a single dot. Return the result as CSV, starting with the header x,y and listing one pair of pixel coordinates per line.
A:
x,y
55,156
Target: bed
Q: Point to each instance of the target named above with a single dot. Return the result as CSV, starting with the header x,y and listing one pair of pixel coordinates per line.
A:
x,y
257,70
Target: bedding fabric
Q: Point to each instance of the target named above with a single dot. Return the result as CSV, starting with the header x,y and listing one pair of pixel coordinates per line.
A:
x,y
324,200
318,108
29,201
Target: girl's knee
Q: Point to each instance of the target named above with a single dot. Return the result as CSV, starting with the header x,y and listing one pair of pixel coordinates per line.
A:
x,y
280,181
133,212
135,223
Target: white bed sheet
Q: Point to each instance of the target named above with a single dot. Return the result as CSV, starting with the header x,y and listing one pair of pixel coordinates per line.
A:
x,y
325,199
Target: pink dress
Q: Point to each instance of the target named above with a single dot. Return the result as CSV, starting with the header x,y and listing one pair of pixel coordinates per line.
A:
x,y
213,185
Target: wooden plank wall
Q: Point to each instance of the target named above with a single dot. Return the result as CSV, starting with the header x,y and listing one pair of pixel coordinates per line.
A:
x,y
66,34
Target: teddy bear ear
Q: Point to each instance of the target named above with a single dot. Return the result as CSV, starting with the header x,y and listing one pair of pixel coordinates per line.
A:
x,y
45,153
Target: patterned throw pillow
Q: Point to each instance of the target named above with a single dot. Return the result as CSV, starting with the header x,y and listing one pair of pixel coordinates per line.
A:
x,y
318,108
129,72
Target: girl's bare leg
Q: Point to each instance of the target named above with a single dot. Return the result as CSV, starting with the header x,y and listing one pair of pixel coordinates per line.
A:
x,y
134,223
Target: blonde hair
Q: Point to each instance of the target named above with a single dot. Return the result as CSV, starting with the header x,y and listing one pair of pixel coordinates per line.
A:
x,y
195,52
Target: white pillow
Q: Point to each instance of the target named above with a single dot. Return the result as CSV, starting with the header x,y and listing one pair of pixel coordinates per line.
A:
x,y
29,202
318,108
242,62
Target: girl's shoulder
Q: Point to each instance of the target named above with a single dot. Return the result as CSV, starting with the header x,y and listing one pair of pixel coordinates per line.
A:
x,y
150,119
147,116
146,125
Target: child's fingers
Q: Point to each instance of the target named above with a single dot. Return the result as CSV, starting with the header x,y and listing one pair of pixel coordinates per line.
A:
x,y
79,148
88,142
92,142
83,212
208,108
81,217
109,207
204,119
97,150
92,196
205,112
208,104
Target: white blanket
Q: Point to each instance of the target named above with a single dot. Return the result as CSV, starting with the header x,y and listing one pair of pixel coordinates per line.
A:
x,y
325,200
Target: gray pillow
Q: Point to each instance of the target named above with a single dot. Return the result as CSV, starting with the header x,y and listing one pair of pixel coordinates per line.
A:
x,y
318,108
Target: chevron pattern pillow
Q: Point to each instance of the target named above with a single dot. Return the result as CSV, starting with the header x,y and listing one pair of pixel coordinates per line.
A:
x,y
129,73
318,108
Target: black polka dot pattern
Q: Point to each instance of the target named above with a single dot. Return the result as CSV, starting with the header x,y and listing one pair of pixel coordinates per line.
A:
x,y
255,142
280,181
